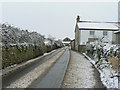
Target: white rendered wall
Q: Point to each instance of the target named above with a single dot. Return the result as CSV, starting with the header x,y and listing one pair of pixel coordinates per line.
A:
x,y
98,34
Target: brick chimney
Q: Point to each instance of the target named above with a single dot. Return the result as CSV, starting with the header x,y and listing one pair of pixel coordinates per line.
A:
x,y
78,19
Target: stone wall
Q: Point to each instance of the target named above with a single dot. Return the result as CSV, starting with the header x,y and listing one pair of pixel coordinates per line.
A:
x,y
82,48
73,44
77,38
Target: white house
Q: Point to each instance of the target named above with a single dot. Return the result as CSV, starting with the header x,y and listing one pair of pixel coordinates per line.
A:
x,y
90,32
66,41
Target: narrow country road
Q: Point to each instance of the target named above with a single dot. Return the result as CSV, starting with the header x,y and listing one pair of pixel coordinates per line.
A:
x,y
63,68
8,79
55,76
81,73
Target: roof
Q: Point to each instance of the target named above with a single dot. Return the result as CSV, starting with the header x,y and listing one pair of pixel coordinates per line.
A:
x,y
97,26
67,39
117,32
66,42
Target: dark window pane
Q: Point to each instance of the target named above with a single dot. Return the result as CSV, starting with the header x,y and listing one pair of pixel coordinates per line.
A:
x,y
92,32
105,33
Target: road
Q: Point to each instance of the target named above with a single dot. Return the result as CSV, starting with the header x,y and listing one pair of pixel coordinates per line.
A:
x,y
61,69
8,79
55,74
81,73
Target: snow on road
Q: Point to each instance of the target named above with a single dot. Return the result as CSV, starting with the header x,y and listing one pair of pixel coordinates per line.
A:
x,y
27,79
81,74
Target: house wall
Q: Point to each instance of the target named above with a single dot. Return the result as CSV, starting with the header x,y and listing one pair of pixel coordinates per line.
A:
x,y
118,38
114,41
73,45
77,38
84,35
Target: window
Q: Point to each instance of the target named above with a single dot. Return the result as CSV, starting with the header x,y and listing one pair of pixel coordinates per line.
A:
x,y
92,32
105,33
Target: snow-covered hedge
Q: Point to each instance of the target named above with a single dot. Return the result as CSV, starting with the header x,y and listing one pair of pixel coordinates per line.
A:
x,y
20,45
12,36
102,50
17,54
106,58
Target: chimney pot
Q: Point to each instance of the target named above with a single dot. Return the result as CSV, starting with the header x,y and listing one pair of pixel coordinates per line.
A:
x,y
78,19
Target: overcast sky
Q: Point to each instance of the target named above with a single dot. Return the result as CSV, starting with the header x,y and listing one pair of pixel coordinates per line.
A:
x,y
57,19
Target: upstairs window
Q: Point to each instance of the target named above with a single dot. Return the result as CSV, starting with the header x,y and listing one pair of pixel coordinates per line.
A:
x,y
105,33
92,32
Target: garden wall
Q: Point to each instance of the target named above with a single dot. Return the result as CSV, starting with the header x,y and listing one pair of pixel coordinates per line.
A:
x,y
82,48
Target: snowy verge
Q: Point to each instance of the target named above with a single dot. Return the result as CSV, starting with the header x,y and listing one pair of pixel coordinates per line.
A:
x,y
15,67
108,75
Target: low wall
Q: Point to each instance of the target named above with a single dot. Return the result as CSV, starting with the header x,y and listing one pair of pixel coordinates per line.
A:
x,y
73,45
82,48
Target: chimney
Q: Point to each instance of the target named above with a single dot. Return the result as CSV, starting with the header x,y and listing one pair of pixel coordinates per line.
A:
x,y
78,19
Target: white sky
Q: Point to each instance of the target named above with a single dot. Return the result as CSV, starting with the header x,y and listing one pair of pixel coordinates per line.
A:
x,y
56,18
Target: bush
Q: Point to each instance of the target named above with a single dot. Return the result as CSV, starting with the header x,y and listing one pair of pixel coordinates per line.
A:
x,y
17,54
